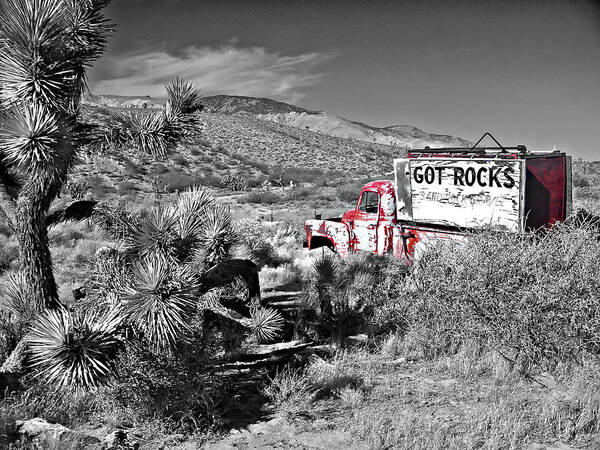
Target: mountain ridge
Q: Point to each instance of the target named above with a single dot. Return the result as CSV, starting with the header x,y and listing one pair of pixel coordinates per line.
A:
x,y
405,136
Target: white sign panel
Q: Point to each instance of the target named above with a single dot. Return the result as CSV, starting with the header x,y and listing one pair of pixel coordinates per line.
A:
x,y
467,193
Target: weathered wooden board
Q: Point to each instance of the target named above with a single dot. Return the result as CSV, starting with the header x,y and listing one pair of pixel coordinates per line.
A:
x,y
403,191
468,193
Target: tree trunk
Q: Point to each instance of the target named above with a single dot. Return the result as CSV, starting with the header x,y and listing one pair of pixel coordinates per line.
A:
x,y
34,254
34,247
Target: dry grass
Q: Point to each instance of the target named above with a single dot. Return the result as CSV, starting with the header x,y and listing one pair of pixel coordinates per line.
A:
x,y
73,248
464,401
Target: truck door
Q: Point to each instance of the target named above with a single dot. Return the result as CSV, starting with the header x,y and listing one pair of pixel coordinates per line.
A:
x,y
366,219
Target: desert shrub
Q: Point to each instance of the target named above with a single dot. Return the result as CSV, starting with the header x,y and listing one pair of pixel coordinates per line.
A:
x,y
157,393
264,197
234,183
209,180
260,252
65,235
580,180
176,389
218,165
283,175
179,159
77,189
126,187
174,180
132,169
260,166
588,198
329,377
205,168
290,391
323,181
253,244
301,194
533,296
159,168
350,296
346,376
38,400
274,277
254,182
348,192
98,188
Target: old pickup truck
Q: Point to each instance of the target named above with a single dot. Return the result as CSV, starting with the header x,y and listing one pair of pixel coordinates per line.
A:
x,y
441,193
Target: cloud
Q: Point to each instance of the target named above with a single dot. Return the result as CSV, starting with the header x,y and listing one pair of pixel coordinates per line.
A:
x,y
252,71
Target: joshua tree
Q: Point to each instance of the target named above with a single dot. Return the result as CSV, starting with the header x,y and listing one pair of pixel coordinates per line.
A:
x,y
45,47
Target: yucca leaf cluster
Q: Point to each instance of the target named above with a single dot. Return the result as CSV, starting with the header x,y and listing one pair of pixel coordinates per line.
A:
x,y
340,296
45,47
155,133
151,291
156,271
75,351
160,301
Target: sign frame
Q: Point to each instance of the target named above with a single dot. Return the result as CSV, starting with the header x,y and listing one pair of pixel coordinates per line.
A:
x,y
405,192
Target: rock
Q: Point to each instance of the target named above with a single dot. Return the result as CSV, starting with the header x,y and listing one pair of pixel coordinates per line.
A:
x,y
116,439
547,380
357,339
40,434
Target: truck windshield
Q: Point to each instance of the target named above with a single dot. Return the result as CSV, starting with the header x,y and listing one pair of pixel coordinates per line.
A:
x,y
369,202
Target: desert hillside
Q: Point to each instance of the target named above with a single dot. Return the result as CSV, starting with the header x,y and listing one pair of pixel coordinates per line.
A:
x,y
285,134
405,136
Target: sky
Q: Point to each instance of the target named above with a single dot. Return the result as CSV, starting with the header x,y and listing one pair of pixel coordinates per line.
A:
x,y
527,71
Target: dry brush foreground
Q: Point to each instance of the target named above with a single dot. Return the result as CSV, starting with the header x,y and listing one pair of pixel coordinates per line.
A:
x,y
492,345
488,345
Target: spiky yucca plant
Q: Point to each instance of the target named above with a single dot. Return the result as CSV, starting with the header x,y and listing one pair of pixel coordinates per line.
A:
x,y
267,323
14,299
166,252
45,48
193,230
156,133
17,310
160,301
75,352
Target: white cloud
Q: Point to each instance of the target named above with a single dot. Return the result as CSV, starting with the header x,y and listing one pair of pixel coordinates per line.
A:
x,y
251,71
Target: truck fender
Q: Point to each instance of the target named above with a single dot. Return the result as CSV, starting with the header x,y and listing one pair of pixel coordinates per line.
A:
x,y
327,233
